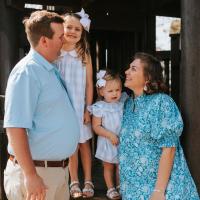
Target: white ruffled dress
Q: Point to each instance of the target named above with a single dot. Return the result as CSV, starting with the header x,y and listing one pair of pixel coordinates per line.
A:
x,y
73,72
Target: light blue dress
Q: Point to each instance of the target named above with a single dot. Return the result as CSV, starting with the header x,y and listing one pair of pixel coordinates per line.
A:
x,y
151,122
73,72
111,117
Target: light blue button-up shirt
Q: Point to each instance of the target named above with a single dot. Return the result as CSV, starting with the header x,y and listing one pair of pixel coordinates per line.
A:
x,y
37,101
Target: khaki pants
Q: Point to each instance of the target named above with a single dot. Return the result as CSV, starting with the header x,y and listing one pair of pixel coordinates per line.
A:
x,y
55,178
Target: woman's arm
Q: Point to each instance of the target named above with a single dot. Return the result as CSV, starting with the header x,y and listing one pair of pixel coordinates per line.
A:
x,y
89,88
164,171
100,130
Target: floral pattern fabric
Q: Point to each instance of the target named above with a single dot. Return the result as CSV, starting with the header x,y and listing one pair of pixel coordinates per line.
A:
x,y
151,122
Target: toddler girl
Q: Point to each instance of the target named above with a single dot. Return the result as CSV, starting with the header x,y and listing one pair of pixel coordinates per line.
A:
x,y
106,122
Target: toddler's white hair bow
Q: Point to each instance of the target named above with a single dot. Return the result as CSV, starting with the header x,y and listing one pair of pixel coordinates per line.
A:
x,y
85,21
100,81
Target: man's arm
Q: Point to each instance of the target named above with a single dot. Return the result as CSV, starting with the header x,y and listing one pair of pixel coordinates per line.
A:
x,y
35,187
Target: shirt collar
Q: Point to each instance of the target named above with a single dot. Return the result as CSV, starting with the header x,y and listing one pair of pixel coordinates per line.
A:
x,y
71,53
40,59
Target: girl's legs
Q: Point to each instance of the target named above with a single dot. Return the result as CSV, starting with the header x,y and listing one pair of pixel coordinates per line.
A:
x,y
86,159
117,178
112,193
85,152
73,166
108,174
73,170
117,174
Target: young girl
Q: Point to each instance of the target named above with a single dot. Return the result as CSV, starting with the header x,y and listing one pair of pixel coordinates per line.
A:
x,y
76,70
106,123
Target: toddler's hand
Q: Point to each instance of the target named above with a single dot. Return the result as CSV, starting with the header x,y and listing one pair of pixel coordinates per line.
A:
x,y
113,138
86,117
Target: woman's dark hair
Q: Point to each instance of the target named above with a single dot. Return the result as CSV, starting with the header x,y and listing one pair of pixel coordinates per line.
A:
x,y
82,46
153,73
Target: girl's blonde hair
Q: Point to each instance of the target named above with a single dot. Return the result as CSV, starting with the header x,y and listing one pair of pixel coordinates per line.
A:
x,y
109,76
82,45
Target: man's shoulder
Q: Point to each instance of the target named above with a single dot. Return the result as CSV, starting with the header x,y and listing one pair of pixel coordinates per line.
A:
x,y
26,65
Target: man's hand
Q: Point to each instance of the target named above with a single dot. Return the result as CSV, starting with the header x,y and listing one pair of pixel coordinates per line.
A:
x,y
35,187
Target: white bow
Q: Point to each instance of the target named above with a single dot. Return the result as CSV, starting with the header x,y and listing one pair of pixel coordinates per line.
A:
x,y
100,81
85,21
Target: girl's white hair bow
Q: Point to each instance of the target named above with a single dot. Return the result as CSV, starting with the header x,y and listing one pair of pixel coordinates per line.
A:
x,y
100,81
85,21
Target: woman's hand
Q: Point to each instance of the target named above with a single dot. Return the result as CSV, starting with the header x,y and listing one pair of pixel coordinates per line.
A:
x,y
157,196
113,138
86,117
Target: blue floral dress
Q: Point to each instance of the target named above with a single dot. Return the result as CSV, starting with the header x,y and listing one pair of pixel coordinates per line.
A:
x,y
151,122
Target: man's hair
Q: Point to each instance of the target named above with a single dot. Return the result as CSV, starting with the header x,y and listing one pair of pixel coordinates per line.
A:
x,y
39,24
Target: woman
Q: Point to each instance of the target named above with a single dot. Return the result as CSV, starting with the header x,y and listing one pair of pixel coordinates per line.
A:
x,y
152,163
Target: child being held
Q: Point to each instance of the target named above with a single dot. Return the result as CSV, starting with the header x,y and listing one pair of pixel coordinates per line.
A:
x,y
106,122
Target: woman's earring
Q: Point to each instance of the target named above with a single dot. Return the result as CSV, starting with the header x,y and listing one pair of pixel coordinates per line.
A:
x,y
145,88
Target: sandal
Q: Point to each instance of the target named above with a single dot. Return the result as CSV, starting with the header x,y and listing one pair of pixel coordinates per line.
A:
x,y
118,189
88,190
113,194
75,190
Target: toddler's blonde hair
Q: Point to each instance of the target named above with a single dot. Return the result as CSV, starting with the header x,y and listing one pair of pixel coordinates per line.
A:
x,y
109,76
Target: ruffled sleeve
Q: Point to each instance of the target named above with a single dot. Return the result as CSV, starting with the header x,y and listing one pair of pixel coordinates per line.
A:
x,y
165,121
96,109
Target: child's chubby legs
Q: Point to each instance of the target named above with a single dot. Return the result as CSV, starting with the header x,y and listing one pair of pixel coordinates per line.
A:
x,y
117,175
109,169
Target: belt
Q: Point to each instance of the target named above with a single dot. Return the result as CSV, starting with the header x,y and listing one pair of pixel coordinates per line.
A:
x,y
45,163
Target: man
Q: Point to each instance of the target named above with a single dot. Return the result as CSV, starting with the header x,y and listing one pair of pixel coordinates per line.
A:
x,y
40,122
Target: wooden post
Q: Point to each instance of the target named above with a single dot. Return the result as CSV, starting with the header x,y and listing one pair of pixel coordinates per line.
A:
x,y
190,84
175,66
